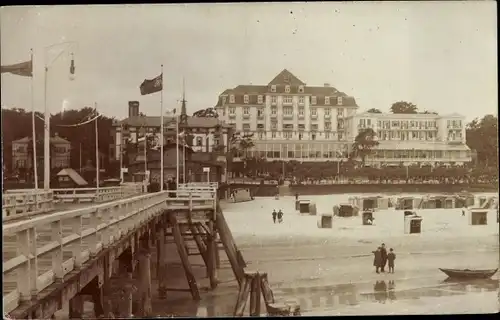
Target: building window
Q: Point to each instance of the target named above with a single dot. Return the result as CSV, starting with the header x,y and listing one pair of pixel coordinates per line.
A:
x,y
246,127
313,136
314,127
199,141
313,100
340,112
301,111
245,98
287,135
327,111
231,98
274,110
273,100
328,125
259,99
223,100
273,88
287,89
339,101
260,112
287,99
273,134
327,135
301,100
246,110
341,136
273,126
301,89
314,111
327,100
232,110
288,110
261,135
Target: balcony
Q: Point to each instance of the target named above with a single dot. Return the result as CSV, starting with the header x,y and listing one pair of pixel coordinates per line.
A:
x,y
274,102
246,116
327,116
314,116
314,128
260,116
302,127
287,102
274,115
301,103
287,128
288,116
260,128
232,115
328,128
301,116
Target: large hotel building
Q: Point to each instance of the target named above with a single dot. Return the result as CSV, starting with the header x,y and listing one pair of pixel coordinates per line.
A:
x,y
293,121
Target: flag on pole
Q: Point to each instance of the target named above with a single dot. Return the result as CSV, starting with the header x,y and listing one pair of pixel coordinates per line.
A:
x,y
149,86
171,112
24,69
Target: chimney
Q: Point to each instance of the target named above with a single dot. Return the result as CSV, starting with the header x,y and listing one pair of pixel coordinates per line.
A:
x,y
133,109
326,85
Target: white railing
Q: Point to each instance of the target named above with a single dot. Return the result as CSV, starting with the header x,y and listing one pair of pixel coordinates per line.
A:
x,y
81,232
198,189
97,195
250,181
23,204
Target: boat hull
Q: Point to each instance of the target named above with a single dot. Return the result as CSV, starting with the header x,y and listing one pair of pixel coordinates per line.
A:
x,y
469,274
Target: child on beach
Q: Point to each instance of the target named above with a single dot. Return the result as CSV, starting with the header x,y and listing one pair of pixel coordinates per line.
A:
x,y
280,216
274,215
391,256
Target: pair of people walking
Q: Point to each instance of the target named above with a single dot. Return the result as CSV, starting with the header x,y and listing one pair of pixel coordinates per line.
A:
x,y
278,215
381,258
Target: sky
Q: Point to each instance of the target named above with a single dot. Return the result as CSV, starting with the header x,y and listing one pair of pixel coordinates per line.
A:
x,y
442,56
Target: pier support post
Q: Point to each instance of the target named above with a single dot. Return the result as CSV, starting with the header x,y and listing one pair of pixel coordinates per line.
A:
x,y
255,294
76,307
162,264
145,307
125,272
211,249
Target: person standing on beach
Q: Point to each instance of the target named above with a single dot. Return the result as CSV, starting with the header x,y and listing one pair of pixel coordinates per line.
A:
x,y
391,256
274,215
296,196
280,216
383,255
377,259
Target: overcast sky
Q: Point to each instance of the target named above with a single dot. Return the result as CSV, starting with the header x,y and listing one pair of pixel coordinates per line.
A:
x,y
441,56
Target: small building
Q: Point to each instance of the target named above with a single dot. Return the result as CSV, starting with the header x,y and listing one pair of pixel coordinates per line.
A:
x,y
367,218
195,164
240,195
408,203
69,178
383,203
478,216
304,206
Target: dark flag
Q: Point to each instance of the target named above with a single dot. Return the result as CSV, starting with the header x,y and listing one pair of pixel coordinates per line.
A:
x,y
152,86
24,69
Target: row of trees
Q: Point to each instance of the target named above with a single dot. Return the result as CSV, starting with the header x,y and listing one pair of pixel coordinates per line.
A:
x,y
403,107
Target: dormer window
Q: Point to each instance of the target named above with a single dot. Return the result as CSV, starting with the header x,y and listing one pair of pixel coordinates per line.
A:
x,y
231,98
223,100
273,88
313,100
327,100
301,89
260,99
287,89
339,101
245,98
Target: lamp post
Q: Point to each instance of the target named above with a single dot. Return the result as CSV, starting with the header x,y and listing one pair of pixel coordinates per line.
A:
x,y
46,142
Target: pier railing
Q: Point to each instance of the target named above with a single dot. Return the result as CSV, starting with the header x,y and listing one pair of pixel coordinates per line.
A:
x,y
63,241
17,205
82,195
199,189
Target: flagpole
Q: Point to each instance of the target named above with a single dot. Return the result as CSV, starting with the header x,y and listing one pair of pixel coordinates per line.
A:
x,y
121,153
33,128
96,148
46,136
162,133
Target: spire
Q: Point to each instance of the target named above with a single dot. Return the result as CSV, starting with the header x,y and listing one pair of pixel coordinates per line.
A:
x,y
183,107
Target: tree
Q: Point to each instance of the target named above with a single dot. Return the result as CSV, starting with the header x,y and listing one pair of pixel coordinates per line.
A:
x,y
403,107
373,110
428,112
206,113
364,143
482,136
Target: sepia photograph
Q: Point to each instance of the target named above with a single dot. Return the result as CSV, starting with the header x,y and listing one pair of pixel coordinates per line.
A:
x,y
250,159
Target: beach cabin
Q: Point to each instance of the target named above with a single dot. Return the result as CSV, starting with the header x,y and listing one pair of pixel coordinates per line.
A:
x,y
478,217
367,218
312,209
240,195
369,203
383,203
297,205
304,206
345,210
69,178
413,223
325,221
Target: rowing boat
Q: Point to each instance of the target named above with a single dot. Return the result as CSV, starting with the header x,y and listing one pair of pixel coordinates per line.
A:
x,y
469,274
